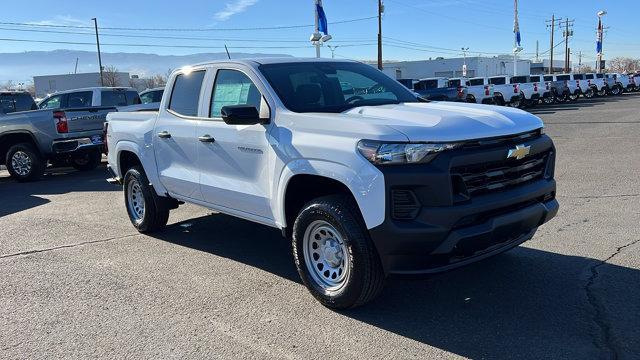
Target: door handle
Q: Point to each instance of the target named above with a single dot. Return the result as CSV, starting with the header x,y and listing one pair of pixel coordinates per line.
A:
x,y
206,138
164,135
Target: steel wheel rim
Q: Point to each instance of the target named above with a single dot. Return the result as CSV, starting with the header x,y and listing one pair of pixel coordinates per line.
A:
x,y
21,163
135,200
326,255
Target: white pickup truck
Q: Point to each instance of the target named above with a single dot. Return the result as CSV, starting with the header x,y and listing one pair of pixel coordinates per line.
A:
x,y
477,91
515,91
363,184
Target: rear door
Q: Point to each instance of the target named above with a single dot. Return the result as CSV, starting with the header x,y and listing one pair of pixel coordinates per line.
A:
x,y
174,137
234,163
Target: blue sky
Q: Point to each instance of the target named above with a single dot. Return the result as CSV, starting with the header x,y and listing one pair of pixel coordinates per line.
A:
x,y
413,29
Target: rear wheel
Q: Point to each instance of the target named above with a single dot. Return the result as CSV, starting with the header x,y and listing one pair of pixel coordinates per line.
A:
x,y
574,96
87,161
548,99
616,90
602,92
589,94
147,211
498,99
334,255
24,163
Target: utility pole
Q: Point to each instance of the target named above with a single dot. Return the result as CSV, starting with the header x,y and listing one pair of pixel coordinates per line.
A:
x,y
75,71
95,23
380,11
537,52
567,32
552,23
580,61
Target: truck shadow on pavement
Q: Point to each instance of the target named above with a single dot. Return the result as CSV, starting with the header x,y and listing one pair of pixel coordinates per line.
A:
x,y
15,196
525,304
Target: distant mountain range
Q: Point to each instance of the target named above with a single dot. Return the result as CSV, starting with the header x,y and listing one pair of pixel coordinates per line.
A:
x,y
23,66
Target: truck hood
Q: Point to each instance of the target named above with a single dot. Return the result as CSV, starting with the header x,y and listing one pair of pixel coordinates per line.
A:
x,y
447,121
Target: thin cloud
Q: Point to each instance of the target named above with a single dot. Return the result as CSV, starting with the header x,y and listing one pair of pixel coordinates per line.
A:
x,y
61,20
233,8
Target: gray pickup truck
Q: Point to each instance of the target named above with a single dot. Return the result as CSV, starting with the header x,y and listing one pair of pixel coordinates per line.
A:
x,y
29,140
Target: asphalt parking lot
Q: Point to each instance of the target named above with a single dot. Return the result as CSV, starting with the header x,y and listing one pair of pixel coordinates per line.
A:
x,y
77,281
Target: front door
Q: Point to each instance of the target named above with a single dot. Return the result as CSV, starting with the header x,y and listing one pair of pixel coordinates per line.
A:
x,y
233,158
174,137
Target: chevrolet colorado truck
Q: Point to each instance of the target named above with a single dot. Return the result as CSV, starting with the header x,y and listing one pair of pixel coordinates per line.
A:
x,y
362,185
439,89
477,91
29,140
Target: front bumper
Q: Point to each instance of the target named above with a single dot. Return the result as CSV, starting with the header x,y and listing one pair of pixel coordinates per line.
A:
x,y
448,231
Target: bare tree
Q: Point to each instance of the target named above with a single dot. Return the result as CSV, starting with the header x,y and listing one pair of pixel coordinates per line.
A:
x,y
8,85
156,81
623,64
110,76
31,88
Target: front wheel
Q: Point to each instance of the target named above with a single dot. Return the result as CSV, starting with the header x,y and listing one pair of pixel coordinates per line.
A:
x,y
334,254
548,100
616,90
602,92
574,96
147,211
24,163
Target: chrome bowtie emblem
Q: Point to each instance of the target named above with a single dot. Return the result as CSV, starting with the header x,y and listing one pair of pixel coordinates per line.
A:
x,y
519,152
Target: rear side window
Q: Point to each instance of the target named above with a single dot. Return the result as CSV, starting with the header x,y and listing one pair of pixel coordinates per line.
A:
x,y
563,77
535,78
16,102
578,77
497,81
588,76
474,82
133,98
427,84
80,99
600,76
233,88
186,93
455,83
114,98
548,78
519,79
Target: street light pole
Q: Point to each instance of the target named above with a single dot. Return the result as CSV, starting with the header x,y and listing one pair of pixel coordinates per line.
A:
x,y
95,23
333,49
600,14
464,63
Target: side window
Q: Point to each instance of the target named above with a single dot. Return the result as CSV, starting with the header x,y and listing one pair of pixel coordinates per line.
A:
x,y
133,98
232,87
7,104
186,93
53,102
113,98
147,98
80,99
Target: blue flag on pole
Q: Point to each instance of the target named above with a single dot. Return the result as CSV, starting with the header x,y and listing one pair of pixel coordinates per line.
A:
x,y
516,25
322,19
599,37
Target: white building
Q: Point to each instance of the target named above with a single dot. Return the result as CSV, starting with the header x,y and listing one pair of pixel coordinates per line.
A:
x,y
49,84
476,66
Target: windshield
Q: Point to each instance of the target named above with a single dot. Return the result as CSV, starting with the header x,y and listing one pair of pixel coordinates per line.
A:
x,y
333,86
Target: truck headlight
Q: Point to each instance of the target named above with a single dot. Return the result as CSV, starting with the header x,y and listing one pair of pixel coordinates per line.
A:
x,y
379,153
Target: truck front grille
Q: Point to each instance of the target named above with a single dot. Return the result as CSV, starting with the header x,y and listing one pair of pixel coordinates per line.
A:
x,y
484,178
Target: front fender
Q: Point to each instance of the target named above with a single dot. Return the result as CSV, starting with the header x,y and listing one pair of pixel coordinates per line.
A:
x,y
365,182
146,157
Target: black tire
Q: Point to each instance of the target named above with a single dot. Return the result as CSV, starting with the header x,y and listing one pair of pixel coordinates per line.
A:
x,y
498,99
589,94
87,161
26,152
471,99
156,209
548,100
366,275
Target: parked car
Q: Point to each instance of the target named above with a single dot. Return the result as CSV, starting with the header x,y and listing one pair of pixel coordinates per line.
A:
x,y
13,101
151,95
597,83
619,83
529,89
31,139
544,88
505,92
439,89
363,186
477,91
91,97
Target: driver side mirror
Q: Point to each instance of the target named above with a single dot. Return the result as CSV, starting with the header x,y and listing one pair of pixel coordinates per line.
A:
x,y
240,115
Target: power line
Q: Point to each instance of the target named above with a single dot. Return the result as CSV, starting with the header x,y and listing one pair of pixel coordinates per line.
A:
x,y
280,27
171,37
